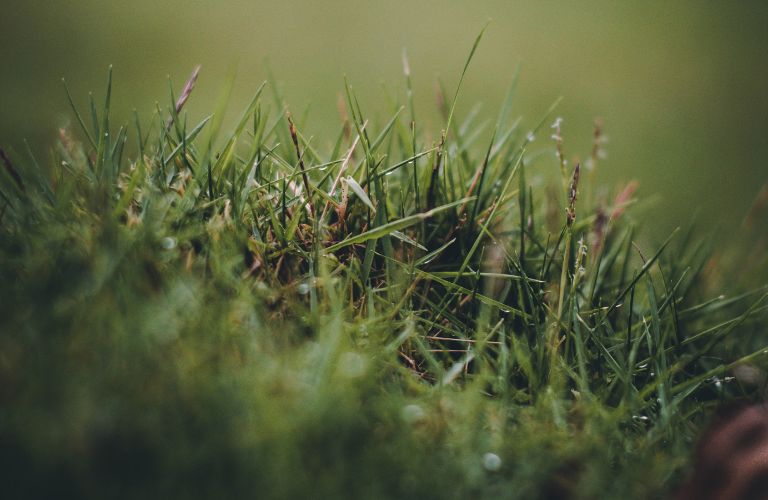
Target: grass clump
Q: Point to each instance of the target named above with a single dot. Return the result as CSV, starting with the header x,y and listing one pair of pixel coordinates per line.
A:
x,y
398,315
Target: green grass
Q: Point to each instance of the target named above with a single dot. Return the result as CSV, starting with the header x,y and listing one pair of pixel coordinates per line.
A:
x,y
455,312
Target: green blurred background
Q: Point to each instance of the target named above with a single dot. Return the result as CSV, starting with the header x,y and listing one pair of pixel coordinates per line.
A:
x,y
682,86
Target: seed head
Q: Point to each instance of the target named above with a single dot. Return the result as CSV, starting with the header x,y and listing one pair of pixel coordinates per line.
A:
x,y
570,212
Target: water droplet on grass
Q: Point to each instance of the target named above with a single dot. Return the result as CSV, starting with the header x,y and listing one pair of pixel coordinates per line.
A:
x,y
168,243
412,413
352,365
491,462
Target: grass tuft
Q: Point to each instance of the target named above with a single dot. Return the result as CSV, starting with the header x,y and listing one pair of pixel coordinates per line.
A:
x,y
202,315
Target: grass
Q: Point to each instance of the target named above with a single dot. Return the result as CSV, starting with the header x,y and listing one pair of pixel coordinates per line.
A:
x,y
406,313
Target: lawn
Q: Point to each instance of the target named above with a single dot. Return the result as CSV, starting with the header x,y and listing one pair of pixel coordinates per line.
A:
x,y
190,310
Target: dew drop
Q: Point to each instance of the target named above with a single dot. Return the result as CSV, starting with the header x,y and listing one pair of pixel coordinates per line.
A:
x,y
491,462
352,365
412,413
168,243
